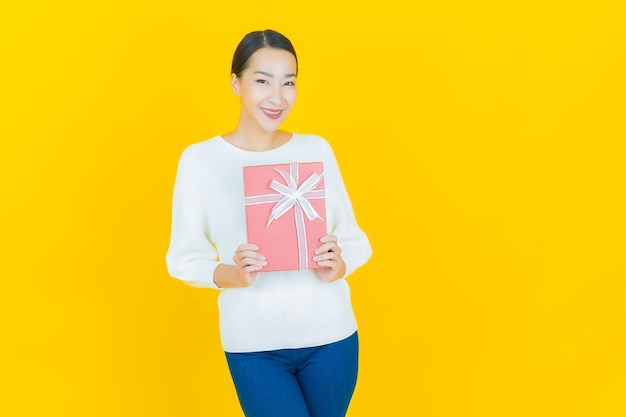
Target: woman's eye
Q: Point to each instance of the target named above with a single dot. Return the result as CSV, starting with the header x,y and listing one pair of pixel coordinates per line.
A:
x,y
262,81
290,83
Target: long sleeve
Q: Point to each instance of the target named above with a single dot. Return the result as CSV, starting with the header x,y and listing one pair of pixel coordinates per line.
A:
x,y
191,257
355,246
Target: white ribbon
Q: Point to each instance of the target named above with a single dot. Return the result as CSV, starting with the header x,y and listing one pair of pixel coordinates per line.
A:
x,y
292,195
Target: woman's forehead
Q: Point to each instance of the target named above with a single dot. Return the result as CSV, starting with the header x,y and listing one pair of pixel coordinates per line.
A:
x,y
273,61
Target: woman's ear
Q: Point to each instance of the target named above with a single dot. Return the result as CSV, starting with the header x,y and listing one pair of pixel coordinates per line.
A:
x,y
234,84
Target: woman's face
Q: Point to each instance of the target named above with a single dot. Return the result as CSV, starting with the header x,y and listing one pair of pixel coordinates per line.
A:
x,y
267,88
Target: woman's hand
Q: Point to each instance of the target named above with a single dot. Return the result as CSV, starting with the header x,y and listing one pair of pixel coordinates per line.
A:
x,y
328,255
248,261
243,274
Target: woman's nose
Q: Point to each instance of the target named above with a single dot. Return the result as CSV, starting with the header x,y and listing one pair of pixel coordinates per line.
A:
x,y
276,95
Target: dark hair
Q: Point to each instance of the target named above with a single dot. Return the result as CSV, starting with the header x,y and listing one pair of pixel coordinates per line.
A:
x,y
254,41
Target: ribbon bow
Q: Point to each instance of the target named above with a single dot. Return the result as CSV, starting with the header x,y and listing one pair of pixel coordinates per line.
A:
x,y
294,195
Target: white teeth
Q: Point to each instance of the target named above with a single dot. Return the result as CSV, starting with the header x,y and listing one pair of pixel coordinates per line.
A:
x,y
272,112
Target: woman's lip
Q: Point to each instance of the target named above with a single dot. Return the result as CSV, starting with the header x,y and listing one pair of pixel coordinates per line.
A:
x,y
271,113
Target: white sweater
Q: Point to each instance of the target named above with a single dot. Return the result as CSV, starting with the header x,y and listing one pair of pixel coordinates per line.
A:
x,y
284,309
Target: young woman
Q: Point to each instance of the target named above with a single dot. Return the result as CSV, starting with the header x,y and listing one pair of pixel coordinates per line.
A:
x,y
289,336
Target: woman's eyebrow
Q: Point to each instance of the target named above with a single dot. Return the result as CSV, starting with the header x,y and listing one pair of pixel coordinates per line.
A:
x,y
267,74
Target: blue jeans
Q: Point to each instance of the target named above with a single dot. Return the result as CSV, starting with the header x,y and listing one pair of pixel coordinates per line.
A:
x,y
307,382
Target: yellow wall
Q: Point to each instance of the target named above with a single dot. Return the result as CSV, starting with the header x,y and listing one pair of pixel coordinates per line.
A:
x,y
483,146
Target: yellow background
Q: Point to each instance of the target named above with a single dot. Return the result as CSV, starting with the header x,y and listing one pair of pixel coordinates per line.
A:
x,y
482,143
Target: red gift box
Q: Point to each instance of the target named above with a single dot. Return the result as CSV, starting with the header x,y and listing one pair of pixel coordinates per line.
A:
x,y
285,213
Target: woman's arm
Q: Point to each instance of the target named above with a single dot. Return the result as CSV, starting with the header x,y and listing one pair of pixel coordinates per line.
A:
x,y
355,249
190,257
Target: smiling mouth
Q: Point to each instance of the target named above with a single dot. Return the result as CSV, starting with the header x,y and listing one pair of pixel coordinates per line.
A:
x,y
272,114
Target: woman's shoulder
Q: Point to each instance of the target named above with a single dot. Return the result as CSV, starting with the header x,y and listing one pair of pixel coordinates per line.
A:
x,y
312,141
203,145
201,149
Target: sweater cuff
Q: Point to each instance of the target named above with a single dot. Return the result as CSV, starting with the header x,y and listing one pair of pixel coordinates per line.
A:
x,y
196,273
354,257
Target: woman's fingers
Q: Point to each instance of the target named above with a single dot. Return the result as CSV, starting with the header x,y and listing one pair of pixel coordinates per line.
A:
x,y
246,257
328,248
328,254
329,245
